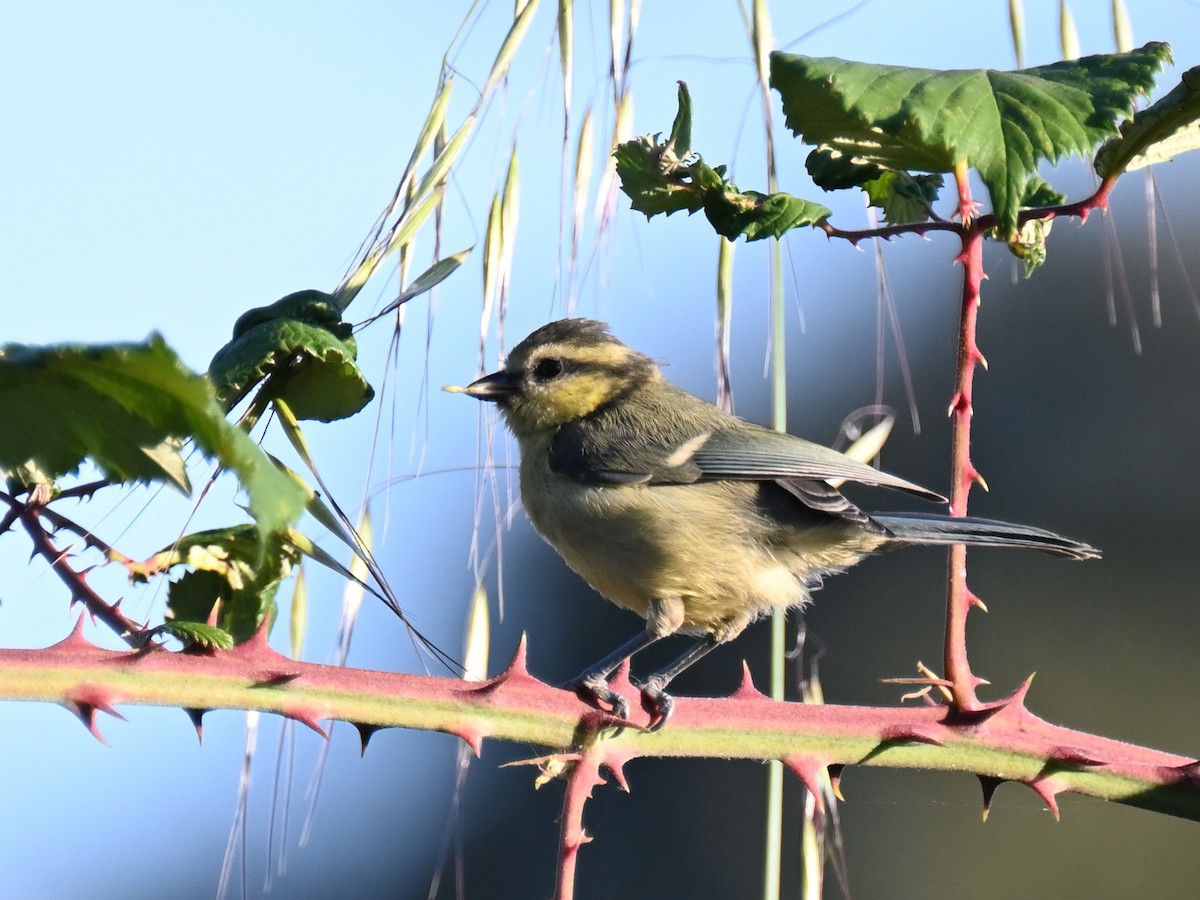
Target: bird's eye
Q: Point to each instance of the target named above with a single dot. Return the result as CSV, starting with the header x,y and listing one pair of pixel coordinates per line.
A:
x,y
550,367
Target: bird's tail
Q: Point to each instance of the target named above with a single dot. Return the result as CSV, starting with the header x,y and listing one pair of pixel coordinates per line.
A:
x,y
920,528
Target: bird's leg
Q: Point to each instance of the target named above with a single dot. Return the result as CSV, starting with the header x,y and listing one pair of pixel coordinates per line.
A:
x,y
663,617
592,684
655,698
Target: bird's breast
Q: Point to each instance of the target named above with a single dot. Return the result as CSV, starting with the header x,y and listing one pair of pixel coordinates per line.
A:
x,y
716,545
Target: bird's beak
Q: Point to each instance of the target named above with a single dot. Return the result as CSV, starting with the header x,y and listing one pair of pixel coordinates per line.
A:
x,y
497,387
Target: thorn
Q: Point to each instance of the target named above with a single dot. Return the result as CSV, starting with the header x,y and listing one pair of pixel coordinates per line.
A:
x,y
1013,705
974,475
835,780
305,715
1017,697
258,651
973,600
75,640
197,717
516,671
810,770
615,762
519,664
1186,772
746,690
979,358
1048,789
1073,757
365,732
989,785
573,846
85,701
910,734
472,737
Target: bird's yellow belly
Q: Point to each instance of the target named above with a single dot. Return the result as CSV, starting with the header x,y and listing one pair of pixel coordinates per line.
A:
x,y
637,543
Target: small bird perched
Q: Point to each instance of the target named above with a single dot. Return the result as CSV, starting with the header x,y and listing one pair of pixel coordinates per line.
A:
x,y
698,521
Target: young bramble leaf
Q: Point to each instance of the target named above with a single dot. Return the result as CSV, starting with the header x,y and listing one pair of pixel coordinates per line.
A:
x,y
127,407
1002,124
1039,193
1029,243
665,177
1157,133
734,213
904,198
198,634
236,568
654,178
303,350
681,129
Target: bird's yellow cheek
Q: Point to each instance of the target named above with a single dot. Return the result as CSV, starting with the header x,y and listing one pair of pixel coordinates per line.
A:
x,y
564,402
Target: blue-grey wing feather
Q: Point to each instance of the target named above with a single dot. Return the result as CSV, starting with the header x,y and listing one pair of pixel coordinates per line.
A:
x,y
672,437
755,453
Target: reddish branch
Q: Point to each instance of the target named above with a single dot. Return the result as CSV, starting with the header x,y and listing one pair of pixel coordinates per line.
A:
x,y
972,233
1001,741
30,514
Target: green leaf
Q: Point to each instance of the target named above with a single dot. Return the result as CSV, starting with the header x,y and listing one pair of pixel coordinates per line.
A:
x,y
757,216
681,129
1039,193
663,177
655,178
1029,245
1157,133
198,634
305,353
126,407
227,566
904,198
1002,124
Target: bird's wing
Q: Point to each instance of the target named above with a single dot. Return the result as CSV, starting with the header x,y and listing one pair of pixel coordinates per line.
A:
x,y
612,451
754,453
675,438
824,497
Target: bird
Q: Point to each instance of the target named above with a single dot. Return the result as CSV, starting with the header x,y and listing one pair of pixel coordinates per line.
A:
x,y
697,520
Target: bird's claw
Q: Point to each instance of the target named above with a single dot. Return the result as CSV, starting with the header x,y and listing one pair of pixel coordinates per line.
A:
x,y
657,702
594,689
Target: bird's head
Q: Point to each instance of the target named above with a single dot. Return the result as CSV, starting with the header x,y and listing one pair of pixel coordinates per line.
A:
x,y
561,372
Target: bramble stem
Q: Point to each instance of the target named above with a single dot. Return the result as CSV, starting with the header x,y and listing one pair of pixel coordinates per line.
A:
x,y
963,473
1003,741
584,776
29,515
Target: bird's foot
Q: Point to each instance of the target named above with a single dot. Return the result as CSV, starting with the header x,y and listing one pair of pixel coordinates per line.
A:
x,y
592,688
657,702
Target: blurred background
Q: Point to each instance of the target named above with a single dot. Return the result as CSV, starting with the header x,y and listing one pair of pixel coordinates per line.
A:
x,y
169,166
